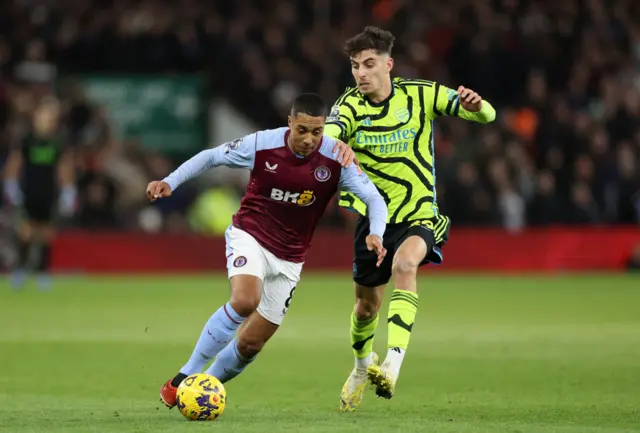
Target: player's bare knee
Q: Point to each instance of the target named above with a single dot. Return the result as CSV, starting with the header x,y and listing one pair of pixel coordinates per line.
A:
x,y
366,308
245,294
368,301
249,347
404,267
244,304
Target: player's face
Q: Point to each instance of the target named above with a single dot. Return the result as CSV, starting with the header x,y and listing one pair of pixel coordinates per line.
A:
x,y
45,118
306,133
371,71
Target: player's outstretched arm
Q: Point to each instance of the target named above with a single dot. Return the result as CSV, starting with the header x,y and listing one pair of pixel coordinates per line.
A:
x,y
464,103
239,153
353,181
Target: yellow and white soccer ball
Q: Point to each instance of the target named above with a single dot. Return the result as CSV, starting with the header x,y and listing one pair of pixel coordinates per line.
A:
x,y
201,397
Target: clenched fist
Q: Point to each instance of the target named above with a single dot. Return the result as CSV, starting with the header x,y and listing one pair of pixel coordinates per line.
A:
x,y
469,99
158,189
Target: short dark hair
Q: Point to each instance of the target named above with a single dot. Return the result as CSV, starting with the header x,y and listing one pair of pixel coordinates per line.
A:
x,y
309,103
372,38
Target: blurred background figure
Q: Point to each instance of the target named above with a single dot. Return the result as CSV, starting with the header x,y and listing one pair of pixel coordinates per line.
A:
x,y
563,77
39,172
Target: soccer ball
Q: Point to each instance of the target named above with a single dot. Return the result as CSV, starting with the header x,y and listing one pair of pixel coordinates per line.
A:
x,y
201,397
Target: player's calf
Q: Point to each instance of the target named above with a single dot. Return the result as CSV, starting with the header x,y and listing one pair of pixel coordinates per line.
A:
x,y
364,322
223,324
216,335
402,312
217,332
249,347
367,308
24,246
243,350
229,363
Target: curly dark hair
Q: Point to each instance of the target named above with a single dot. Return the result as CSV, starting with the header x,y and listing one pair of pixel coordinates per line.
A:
x,y
371,38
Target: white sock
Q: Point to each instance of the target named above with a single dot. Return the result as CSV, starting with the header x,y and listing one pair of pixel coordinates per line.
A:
x,y
363,363
394,358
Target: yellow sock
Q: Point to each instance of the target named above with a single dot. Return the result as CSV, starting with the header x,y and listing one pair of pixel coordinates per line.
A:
x,y
402,314
362,333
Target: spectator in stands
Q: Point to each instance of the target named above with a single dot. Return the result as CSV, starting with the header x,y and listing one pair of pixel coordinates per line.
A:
x,y
97,202
545,208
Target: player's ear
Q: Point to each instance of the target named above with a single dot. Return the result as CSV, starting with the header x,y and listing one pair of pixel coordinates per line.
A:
x,y
390,64
289,120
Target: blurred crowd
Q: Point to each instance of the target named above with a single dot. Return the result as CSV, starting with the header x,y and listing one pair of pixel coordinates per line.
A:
x,y
564,76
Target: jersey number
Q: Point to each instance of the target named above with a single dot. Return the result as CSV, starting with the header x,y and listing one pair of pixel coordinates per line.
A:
x,y
288,301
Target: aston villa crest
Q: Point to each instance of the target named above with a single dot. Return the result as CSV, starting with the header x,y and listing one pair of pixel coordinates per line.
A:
x,y
322,174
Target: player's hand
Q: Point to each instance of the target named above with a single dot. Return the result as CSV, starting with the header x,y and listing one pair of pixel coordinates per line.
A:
x,y
346,156
158,189
12,193
374,243
68,201
469,99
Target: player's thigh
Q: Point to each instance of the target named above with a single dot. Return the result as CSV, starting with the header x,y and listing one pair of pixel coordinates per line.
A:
x,y
409,256
39,209
254,334
411,252
245,256
422,242
365,272
277,296
246,268
279,288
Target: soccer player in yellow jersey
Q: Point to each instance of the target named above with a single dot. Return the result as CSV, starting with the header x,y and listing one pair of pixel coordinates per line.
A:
x,y
389,124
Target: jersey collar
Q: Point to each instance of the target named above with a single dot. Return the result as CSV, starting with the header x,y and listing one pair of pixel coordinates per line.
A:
x,y
384,101
286,144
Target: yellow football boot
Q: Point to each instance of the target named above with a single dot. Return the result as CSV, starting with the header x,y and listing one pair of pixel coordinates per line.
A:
x,y
353,389
383,378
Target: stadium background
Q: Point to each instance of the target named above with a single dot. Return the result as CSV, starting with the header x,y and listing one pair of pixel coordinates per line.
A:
x,y
147,84
552,186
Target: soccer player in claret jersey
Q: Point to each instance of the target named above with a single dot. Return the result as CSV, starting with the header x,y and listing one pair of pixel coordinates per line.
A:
x,y
389,124
294,174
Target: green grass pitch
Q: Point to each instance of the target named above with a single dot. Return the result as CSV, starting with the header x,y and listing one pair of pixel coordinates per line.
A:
x,y
488,354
